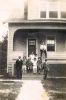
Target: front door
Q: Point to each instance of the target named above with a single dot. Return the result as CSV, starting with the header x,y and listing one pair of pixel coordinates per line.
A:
x,y
31,46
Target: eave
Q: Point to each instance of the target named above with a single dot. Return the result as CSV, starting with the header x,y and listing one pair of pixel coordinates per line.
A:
x,y
39,24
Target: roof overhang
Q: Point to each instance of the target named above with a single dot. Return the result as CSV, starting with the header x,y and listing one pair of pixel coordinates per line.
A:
x,y
40,24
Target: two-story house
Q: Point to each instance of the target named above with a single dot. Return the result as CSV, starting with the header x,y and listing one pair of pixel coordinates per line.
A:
x,y
44,20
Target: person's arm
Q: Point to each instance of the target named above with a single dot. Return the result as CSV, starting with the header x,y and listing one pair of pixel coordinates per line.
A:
x,y
42,66
21,62
47,67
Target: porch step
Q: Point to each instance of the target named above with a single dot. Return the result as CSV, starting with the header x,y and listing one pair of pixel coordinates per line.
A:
x,y
32,76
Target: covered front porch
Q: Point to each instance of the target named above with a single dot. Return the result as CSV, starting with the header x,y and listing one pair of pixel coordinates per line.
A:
x,y
28,41
25,37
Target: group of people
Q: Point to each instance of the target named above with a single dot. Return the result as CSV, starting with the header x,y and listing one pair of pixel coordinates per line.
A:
x,y
36,62
33,64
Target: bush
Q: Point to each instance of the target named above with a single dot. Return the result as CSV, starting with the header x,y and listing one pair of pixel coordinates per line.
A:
x,y
3,56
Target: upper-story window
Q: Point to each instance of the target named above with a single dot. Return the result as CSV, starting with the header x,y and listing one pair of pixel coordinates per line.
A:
x,y
50,43
63,14
43,14
53,14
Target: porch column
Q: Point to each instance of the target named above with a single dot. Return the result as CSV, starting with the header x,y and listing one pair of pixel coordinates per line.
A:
x,y
10,67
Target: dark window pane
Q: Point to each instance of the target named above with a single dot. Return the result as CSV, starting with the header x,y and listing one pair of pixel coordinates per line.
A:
x,y
43,14
53,14
63,14
50,43
50,48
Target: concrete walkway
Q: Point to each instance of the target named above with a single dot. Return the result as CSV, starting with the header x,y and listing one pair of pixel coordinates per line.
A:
x,y
32,90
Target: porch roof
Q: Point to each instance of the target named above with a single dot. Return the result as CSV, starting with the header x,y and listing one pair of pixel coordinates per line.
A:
x,y
39,24
20,20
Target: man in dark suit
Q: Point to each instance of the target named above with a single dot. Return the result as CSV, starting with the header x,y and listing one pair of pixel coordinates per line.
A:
x,y
19,63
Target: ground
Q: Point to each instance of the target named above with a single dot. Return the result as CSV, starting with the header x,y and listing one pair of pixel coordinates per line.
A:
x,y
34,88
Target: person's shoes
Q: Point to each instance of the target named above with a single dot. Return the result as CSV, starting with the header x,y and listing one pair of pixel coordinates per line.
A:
x,y
45,77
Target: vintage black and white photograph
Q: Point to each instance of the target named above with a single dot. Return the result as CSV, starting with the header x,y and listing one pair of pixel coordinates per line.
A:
x,y
32,49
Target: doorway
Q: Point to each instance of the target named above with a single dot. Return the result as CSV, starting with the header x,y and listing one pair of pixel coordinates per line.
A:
x,y
31,46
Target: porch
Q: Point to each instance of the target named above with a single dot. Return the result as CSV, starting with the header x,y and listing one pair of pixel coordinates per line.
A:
x,y
21,32
56,62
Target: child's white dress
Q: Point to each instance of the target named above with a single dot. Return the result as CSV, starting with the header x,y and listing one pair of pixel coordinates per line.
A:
x,y
34,66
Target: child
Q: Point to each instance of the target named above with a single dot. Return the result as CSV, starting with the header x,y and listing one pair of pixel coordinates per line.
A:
x,y
29,65
24,64
39,62
35,66
46,69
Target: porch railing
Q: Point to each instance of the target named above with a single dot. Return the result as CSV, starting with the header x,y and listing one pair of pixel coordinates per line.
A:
x,y
56,57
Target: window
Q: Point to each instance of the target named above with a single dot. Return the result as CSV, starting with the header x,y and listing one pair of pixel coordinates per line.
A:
x,y
31,42
43,14
63,14
50,43
53,14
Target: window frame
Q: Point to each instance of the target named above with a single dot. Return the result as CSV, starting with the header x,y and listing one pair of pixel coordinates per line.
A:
x,y
54,42
63,15
41,14
53,17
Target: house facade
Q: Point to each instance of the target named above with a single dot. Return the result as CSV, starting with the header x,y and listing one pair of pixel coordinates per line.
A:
x,y
45,21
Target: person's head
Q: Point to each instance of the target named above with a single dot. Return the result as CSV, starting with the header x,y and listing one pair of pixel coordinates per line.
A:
x,y
19,57
45,60
34,59
24,57
29,58
39,58
35,54
43,43
32,53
